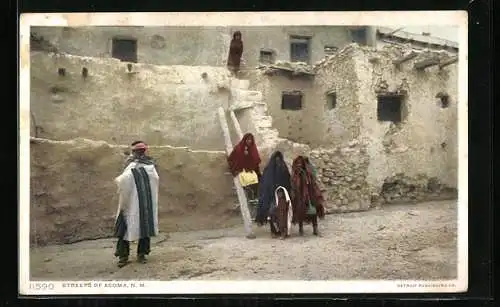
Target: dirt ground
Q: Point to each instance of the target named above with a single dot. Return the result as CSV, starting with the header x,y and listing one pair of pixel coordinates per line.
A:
x,y
395,242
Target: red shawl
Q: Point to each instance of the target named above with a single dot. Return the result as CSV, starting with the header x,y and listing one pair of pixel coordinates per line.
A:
x,y
238,160
305,189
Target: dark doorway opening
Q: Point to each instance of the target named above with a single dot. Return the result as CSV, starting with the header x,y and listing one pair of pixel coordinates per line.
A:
x,y
124,49
390,108
299,49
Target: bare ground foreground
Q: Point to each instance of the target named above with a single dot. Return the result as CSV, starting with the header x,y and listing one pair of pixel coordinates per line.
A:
x,y
396,242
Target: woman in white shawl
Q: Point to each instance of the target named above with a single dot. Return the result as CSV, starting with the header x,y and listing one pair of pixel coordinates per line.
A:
x,y
281,216
137,216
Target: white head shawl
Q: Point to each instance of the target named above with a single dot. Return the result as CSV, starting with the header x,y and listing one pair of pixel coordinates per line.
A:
x,y
290,210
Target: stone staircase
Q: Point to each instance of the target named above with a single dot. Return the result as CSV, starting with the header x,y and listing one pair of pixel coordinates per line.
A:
x,y
256,109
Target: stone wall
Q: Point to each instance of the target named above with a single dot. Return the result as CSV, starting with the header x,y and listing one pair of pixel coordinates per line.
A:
x,y
342,175
425,142
172,105
73,196
404,189
339,123
196,46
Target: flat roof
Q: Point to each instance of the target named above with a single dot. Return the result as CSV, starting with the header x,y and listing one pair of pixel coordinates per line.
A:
x,y
425,39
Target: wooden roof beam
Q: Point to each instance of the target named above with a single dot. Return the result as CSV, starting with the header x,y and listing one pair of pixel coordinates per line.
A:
x,y
449,61
405,58
425,63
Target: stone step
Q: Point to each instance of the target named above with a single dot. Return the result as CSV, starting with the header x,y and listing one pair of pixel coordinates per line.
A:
x,y
240,84
241,104
254,95
239,94
264,122
260,108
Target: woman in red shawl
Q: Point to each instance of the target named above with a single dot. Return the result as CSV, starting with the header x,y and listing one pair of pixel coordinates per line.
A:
x,y
245,156
307,201
235,52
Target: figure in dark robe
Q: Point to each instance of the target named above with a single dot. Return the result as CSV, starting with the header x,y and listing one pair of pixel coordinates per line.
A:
x,y
275,174
235,52
307,200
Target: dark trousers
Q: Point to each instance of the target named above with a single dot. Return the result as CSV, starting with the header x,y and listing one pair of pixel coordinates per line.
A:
x,y
310,218
123,247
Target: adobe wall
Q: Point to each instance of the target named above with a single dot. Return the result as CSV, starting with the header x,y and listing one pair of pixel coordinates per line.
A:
x,y
295,125
73,196
363,162
317,124
425,143
194,46
340,123
160,104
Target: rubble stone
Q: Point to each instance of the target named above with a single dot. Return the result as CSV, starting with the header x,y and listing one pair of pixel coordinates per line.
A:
x,y
402,189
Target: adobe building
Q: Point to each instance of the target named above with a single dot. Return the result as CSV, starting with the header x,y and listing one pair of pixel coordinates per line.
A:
x,y
203,46
380,124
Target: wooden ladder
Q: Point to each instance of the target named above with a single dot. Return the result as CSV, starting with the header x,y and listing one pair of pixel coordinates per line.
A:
x,y
242,198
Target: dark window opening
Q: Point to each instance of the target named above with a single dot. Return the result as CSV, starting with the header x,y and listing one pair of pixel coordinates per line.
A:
x,y
299,49
359,36
266,57
331,100
85,72
329,50
445,101
291,100
124,50
390,108
61,72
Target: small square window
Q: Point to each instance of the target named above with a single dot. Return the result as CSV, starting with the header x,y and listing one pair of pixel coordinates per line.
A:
x,y
266,56
124,49
359,36
291,100
329,50
389,108
444,100
331,100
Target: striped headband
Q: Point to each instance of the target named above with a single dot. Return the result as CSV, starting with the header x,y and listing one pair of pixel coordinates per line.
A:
x,y
139,146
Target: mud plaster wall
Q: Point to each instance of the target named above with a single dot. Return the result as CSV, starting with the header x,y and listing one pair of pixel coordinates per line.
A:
x,y
415,146
73,196
295,125
194,45
161,104
278,40
342,122
197,46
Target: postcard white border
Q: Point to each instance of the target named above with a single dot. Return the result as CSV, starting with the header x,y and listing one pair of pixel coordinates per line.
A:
x,y
378,18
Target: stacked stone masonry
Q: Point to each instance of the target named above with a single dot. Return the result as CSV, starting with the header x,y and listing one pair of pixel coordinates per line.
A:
x,y
342,175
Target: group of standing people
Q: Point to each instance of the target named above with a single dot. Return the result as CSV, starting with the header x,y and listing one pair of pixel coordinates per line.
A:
x,y
285,197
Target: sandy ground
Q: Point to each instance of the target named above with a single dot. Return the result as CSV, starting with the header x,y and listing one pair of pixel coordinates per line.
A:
x,y
396,242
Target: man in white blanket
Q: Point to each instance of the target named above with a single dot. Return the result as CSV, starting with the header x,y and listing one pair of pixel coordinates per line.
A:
x,y
137,216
